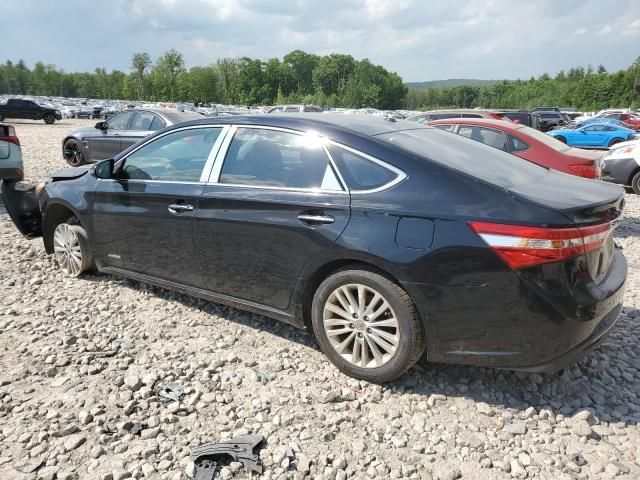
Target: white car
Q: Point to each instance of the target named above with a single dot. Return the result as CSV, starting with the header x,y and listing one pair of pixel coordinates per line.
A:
x,y
11,166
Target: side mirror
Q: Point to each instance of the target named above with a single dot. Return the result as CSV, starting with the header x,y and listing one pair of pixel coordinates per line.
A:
x,y
101,125
104,169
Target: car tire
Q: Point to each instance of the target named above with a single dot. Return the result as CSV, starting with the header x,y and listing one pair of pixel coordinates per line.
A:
x,y
49,119
71,248
614,141
561,139
365,349
72,153
635,183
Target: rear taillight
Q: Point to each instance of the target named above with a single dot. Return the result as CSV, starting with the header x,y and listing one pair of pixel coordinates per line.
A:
x,y
8,134
522,246
586,171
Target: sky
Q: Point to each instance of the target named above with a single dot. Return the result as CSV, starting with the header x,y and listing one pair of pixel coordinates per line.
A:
x,y
418,39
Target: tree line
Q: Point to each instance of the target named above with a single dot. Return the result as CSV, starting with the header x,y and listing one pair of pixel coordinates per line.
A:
x,y
586,89
334,80
329,80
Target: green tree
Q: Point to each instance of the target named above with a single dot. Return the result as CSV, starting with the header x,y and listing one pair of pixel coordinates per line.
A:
x,y
167,69
140,64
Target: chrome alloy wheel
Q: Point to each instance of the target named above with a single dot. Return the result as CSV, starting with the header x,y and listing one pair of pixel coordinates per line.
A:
x,y
72,153
68,249
361,325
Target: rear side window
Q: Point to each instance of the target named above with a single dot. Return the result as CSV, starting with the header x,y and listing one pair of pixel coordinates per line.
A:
x,y
271,158
517,145
359,172
157,124
142,121
488,136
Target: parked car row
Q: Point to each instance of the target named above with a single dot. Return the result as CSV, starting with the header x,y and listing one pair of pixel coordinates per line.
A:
x,y
387,239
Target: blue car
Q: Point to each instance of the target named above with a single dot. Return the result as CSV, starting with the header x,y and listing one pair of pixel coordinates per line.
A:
x,y
594,135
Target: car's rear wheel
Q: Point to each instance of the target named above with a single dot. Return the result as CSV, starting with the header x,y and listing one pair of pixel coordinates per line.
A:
x,y
49,119
72,152
635,183
367,325
561,139
71,248
614,141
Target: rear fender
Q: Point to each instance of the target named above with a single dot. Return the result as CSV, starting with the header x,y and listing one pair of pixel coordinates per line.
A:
x,y
21,203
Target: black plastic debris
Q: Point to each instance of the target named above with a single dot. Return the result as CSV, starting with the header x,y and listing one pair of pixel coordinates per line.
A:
x,y
210,457
171,392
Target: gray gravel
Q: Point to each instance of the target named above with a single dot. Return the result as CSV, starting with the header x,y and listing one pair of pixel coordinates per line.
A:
x,y
82,363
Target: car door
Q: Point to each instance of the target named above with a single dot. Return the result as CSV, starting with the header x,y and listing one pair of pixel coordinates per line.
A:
x,y
273,203
142,124
591,135
143,218
105,143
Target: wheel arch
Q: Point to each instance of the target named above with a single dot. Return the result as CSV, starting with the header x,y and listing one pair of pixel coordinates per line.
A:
x,y
633,173
325,270
54,214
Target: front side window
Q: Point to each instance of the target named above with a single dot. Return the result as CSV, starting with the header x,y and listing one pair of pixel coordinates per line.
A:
x,y
359,172
271,158
177,157
488,136
120,121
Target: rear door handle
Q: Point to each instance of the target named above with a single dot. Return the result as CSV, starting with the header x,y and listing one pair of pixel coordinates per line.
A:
x,y
310,219
180,207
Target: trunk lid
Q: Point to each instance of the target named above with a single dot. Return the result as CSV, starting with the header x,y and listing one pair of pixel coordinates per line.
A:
x,y
584,203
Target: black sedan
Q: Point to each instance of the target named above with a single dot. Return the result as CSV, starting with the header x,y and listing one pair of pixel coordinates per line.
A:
x,y
385,238
107,139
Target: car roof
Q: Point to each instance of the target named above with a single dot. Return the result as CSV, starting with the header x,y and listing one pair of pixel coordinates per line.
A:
x,y
363,124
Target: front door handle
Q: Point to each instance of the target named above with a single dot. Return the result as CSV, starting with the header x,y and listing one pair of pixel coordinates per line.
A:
x,y
180,207
311,219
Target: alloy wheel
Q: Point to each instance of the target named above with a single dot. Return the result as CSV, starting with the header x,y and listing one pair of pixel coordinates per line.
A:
x,y
68,249
73,154
361,326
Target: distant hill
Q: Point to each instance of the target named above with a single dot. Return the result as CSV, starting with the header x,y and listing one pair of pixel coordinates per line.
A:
x,y
452,82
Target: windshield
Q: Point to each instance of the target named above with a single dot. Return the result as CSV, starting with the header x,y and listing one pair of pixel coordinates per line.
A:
x,y
549,141
468,156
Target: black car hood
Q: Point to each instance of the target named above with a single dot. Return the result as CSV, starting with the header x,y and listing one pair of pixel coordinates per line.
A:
x,y
85,132
70,173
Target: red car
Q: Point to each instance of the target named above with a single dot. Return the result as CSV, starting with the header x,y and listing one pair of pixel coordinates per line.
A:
x,y
527,143
632,120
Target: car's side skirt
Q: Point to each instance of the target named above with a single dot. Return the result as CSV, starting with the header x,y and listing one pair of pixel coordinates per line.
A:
x,y
214,297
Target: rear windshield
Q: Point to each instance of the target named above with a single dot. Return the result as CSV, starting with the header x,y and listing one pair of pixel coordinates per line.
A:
x,y
548,140
468,156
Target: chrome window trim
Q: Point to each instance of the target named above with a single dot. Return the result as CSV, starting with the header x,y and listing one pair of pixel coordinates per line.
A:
x,y
214,178
400,175
210,159
284,189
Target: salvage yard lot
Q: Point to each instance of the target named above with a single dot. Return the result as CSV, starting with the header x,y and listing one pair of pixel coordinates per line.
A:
x,y
81,362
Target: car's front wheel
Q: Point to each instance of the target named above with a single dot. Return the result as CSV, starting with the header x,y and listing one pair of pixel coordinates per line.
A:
x,y
367,325
71,248
614,141
49,119
635,183
72,153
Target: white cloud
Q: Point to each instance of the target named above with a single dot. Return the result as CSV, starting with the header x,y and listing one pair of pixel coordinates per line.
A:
x,y
420,40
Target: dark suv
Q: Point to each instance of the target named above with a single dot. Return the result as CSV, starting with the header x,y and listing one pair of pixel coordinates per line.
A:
x,y
551,119
27,109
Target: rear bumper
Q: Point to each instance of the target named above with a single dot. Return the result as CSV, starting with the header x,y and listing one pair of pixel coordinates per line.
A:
x,y
22,205
571,356
538,319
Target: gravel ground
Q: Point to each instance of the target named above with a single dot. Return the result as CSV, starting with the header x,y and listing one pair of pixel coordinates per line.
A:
x,y
82,361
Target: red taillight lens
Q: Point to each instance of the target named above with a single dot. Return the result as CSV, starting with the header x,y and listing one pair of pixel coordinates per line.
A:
x,y
8,134
587,171
521,246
